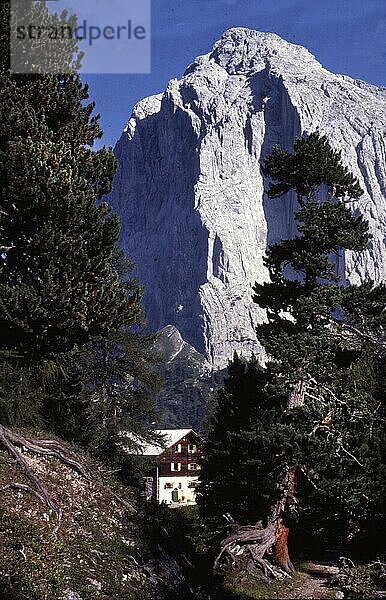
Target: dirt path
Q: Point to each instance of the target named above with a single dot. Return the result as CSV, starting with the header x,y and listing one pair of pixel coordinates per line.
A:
x,y
315,583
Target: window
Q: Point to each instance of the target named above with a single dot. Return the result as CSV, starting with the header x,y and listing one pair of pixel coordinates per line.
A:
x,y
192,448
193,467
192,484
180,486
168,486
175,466
178,448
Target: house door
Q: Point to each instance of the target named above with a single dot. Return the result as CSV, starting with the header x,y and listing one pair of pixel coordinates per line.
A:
x,y
175,495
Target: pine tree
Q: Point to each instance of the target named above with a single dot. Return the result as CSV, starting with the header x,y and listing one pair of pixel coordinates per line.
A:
x,y
313,317
57,287
110,389
63,298
233,453
60,285
317,333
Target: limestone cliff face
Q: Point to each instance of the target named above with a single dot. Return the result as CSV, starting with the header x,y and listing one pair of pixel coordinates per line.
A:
x,y
190,190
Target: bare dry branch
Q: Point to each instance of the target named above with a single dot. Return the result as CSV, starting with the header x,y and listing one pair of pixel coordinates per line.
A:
x,y
309,479
351,455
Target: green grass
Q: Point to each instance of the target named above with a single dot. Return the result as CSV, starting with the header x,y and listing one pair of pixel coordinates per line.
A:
x,y
31,562
250,588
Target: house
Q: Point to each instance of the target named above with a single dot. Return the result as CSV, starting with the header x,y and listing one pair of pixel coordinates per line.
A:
x,y
177,467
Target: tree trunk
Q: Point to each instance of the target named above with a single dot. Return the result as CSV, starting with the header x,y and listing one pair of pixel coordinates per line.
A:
x,y
279,549
287,487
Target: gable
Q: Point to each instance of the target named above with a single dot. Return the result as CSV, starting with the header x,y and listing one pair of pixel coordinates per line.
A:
x,y
172,437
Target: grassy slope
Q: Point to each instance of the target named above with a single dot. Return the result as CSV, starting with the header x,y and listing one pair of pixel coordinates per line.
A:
x,y
95,552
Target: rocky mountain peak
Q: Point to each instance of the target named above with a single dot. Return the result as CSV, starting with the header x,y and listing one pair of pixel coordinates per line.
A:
x,y
191,193
244,51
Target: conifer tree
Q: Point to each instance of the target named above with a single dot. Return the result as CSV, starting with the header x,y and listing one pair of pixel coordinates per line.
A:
x,y
62,294
233,450
57,287
111,384
60,284
327,426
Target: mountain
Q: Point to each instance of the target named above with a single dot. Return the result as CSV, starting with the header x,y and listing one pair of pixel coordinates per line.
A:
x,y
190,189
189,380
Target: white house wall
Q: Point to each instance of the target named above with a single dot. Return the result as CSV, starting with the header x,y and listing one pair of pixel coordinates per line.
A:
x,y
186,494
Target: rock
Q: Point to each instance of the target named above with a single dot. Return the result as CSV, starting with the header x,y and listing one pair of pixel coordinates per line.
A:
x,y
70,595
164,574
190,189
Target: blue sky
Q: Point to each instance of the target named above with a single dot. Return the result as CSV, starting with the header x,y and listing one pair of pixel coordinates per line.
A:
x,y
346,36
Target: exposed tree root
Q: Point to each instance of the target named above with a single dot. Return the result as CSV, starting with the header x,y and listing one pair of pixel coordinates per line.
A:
x,y
42,447
24,488
256,543
266,546
11,442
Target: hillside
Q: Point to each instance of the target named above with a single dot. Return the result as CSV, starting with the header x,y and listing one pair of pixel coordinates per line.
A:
x,y
103,548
